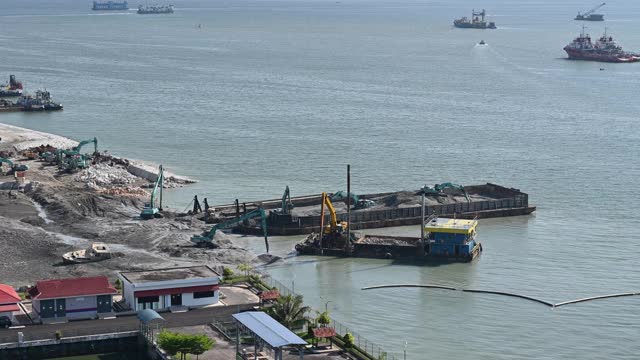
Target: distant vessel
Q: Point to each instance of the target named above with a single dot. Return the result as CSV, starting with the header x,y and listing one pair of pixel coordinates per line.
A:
x,y
482,42
110,5
41,102
14,88
95,252
590,15
477,21
155,9
605,49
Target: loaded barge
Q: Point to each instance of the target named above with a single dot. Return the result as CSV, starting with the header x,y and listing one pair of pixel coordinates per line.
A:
x,y
442,240
301,215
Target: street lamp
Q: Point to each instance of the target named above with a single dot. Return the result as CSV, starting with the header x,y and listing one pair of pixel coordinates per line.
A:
x,y
326,304
405,350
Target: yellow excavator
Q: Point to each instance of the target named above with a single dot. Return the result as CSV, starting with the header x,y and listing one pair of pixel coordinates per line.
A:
x,y
336,231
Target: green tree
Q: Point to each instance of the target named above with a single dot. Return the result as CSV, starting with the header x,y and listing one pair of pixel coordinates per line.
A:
x,y
183,344
323,319
289,310
227,272
246,268
118,284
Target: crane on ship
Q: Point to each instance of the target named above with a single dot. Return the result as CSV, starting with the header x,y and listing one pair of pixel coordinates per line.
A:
x,y
590,15
287,205
150,210
355,200
438,189
206,238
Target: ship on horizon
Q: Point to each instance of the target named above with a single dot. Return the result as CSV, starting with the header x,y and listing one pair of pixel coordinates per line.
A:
x,y
477,21
110,5
605,49
155,9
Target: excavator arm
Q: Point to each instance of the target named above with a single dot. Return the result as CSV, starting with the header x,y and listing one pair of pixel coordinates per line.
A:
x,y
207,236
287,205
149,211
85,142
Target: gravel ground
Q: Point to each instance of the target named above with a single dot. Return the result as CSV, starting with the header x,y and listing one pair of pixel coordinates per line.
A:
x,y
59,212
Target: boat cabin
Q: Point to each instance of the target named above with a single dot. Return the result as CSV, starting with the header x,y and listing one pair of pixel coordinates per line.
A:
x,y
451,238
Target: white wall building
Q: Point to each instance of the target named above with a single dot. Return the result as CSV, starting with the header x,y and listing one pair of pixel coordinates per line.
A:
x,y
160,289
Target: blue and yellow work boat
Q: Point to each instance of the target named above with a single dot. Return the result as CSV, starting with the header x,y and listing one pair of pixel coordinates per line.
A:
x,y
451,239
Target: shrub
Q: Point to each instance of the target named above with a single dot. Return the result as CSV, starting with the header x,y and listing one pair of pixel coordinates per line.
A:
x,y
227,272
349,340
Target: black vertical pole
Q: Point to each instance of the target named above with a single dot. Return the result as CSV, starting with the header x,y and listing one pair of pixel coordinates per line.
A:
x,y
348,244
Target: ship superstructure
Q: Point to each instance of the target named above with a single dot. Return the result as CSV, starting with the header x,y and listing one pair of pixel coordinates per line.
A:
x,y
477,21
14,88
110,5
605,49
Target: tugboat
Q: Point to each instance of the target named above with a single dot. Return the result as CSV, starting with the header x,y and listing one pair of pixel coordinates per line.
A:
x,y
477,21
482,42
95,252
41,102
154,9
14,88
110,5
605,49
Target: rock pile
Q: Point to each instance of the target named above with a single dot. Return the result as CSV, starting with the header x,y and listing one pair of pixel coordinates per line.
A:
x,y
104,175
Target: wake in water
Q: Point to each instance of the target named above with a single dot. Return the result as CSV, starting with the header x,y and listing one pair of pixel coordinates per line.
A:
x,y
552,305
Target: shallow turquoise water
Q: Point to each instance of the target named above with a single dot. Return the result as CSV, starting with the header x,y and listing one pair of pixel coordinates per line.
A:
x,y
272,93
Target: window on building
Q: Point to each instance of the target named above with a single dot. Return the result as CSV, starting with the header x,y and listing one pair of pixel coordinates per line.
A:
x,y
148,299
203,294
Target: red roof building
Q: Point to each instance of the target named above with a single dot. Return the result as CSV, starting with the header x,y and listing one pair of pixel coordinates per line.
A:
x,y
9,300
64,288
75,298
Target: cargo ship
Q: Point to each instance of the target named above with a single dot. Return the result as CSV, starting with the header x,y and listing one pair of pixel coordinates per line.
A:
x,y
605,49
477,21
110,5
155,9
303,214
14,88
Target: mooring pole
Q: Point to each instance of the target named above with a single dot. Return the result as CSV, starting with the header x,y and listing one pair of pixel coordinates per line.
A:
x,y
422,222
348,244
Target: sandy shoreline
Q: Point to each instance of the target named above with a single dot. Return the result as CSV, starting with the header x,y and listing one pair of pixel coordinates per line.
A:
x,y
18,139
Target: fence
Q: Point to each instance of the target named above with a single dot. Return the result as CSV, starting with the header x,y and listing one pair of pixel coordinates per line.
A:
x,y
371,348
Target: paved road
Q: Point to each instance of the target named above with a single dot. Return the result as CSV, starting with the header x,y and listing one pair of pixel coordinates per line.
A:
x,y
125,323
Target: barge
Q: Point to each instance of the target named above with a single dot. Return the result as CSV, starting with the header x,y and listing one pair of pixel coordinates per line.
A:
x,y
445,240
385,209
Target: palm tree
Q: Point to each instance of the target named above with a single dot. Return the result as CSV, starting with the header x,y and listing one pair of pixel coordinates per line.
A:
x,y
289,310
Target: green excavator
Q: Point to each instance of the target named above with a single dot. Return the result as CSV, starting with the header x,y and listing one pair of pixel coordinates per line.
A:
x,y
206,238
71,160
439,188
355,200
13,167
150,210
287,205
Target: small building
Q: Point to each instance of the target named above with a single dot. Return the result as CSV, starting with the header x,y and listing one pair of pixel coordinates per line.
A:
x,y
9,300
75,298
160,289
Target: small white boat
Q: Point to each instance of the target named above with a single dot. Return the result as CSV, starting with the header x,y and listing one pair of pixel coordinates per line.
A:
x,y
95,252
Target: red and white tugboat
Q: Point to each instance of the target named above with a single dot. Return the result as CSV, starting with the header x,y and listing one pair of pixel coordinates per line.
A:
x,y
605,49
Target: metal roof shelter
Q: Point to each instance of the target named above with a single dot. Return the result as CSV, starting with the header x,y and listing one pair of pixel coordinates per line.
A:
x,y
148,318
268,331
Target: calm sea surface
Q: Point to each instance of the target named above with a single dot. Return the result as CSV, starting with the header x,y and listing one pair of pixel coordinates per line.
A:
x,y
249,96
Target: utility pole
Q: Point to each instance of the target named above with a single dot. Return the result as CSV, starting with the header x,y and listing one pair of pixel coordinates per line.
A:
x,y
348,244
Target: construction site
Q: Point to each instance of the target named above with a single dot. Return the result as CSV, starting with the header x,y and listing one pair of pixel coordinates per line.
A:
x,y
66,198
58,196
